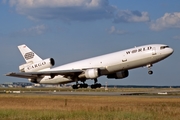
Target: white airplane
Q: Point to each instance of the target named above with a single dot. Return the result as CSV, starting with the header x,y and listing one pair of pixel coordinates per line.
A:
x,y
114,66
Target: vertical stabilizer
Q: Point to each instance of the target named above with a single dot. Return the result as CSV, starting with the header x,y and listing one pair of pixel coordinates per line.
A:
x,y
28,55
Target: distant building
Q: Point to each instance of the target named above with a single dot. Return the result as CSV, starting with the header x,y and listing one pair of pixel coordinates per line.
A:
x,y
16,84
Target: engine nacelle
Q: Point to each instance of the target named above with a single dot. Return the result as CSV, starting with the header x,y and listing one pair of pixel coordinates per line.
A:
x,y
90,74
34,67
119,75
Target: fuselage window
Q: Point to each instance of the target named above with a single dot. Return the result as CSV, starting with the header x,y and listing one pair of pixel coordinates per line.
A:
x,y
149,48
163,47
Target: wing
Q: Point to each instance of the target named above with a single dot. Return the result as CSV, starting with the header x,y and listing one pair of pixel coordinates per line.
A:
x,y
44,73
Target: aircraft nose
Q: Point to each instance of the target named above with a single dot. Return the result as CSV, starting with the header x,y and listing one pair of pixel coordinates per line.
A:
x,y
170,51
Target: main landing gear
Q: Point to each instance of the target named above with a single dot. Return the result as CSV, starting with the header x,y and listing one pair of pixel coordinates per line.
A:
x,y
95,85
84,85
150,72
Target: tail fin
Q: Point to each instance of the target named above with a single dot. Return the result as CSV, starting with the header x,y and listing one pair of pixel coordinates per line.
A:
x,y
28,55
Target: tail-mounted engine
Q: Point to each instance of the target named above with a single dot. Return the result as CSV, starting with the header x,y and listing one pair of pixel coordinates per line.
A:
x,y
90,74
34,67
119,75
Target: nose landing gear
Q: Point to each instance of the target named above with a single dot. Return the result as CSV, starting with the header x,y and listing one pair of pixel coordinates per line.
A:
x,y
150,72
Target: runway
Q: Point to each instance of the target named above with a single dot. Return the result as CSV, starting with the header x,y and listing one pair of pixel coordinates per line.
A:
x,y
147,93
128,92
156,93
88,93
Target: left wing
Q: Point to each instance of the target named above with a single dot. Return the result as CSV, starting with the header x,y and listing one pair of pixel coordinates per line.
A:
x,y
44,73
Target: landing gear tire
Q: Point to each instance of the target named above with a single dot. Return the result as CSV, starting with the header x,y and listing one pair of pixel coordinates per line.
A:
x,y
75,86
93,86
83,85
97,85
80,86
150,72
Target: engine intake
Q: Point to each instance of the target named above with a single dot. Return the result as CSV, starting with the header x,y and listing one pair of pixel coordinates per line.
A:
x,y
90,74
119,75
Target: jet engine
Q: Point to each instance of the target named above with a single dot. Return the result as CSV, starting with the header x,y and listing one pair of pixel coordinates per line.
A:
x,y
34,67
90,74
119,75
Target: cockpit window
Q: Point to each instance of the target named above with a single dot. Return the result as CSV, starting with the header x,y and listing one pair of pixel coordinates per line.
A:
x,y
163,47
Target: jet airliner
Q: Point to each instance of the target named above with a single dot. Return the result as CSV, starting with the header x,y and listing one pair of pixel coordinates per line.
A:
x,y
114,66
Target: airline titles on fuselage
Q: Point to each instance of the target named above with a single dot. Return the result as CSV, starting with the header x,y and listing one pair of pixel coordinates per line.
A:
x,y
139,50
36,65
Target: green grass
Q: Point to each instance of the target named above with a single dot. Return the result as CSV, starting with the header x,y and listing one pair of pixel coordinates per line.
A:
x,y
49,107
71,115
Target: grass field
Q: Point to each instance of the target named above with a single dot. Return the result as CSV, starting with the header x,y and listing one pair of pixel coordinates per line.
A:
x,y
53,107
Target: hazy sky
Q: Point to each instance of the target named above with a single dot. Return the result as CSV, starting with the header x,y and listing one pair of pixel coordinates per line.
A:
x,y
70,30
